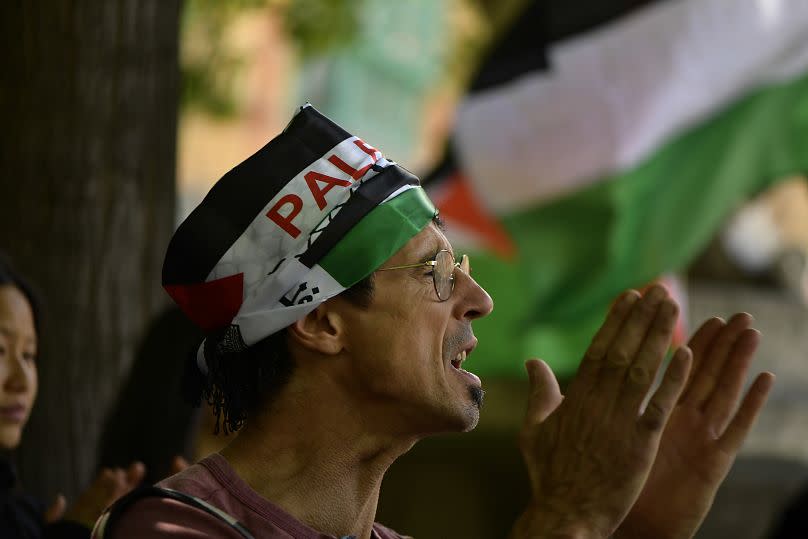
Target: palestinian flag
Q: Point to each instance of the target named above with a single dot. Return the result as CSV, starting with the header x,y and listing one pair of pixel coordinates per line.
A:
x,y
600,147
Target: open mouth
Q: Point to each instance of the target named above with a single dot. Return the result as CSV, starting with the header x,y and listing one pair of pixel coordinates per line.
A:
x,y
468,379
459,359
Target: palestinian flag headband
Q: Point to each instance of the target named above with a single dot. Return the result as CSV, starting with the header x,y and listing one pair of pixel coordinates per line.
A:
x,y
310,214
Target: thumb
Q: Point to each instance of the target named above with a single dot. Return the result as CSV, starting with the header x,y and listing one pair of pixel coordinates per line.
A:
x,y
135,474
544,396
57,510
178,464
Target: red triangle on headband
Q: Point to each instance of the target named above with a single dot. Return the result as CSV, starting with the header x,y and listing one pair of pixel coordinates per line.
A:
x,y
211,305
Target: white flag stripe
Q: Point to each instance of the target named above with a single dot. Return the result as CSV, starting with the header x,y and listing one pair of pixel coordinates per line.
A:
x,y
264,236
398,191
261,315
616,94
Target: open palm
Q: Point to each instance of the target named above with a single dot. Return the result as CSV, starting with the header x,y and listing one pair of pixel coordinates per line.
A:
x,y
704,433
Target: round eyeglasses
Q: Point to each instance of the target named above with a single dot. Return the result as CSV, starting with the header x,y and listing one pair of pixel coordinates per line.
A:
x,y
443,266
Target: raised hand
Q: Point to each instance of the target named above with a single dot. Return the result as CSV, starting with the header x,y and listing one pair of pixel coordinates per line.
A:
x,y
589,454
704,433
56,510
110,485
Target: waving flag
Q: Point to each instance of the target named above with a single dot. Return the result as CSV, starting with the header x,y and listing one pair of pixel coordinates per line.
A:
x,y
602,147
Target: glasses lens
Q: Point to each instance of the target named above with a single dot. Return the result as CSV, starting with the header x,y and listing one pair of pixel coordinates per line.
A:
x,y
443,274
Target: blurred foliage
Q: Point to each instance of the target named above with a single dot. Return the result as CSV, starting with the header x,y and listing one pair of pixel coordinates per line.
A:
x,y
209,65
209,69
475,26
318,27
469,33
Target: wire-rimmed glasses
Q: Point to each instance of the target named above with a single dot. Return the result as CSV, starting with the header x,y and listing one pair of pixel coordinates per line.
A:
x,y
443,266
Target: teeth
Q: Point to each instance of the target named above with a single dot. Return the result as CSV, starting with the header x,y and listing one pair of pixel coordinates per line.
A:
x,y
461,357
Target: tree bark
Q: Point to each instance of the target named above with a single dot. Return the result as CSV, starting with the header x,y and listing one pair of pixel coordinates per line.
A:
x,y
86,204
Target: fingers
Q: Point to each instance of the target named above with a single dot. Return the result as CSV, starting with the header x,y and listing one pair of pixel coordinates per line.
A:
x,y
712,360
701,339
662,403
631,335
724,398
57,509
114,482
642,372
135,474
605,336
109,485
623,352
699,344
178,464
544,395
742,423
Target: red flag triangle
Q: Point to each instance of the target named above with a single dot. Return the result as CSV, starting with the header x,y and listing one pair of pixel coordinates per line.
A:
x,y
459,206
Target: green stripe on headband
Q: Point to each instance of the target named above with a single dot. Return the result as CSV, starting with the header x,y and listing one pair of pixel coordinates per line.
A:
x,y
378,236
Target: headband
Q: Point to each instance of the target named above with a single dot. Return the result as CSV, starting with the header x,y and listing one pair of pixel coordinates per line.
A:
x,y
307,216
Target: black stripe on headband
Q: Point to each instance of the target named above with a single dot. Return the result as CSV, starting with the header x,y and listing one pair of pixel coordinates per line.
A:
x,y
232,204
369,195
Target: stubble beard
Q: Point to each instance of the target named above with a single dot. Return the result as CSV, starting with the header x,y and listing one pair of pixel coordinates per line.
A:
x,y
477,394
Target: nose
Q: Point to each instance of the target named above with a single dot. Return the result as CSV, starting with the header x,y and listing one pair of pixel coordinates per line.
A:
x,y
15,378
473,301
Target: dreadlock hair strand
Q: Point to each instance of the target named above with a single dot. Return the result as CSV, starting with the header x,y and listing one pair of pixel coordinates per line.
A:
x,y
240,380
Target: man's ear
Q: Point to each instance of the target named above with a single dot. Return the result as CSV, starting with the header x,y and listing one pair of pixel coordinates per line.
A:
x,y
321,330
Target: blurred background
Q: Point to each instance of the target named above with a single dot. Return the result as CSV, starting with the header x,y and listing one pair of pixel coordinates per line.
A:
x,y
575,149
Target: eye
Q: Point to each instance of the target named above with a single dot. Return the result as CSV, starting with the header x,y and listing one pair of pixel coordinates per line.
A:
x,y
30,357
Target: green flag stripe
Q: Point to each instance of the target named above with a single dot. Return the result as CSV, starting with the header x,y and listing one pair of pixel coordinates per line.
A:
x,y
374,239
576,254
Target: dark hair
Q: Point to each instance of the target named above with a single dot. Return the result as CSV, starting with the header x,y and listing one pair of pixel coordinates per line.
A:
x,y
8,276
242,380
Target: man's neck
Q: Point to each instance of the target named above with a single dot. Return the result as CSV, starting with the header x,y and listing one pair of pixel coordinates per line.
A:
x,y
317,461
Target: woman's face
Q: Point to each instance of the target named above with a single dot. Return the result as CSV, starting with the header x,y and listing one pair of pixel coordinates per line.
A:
x,y
18,377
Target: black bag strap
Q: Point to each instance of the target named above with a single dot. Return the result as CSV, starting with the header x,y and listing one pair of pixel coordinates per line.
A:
x,y
105,526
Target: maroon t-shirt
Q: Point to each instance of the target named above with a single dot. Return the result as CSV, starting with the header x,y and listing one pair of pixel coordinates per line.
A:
x,y
214,481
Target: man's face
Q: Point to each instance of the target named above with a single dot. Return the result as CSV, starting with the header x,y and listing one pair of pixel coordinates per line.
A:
x,y
407,346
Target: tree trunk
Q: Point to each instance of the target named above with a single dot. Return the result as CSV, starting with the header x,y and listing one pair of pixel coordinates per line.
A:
x,y
86,204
